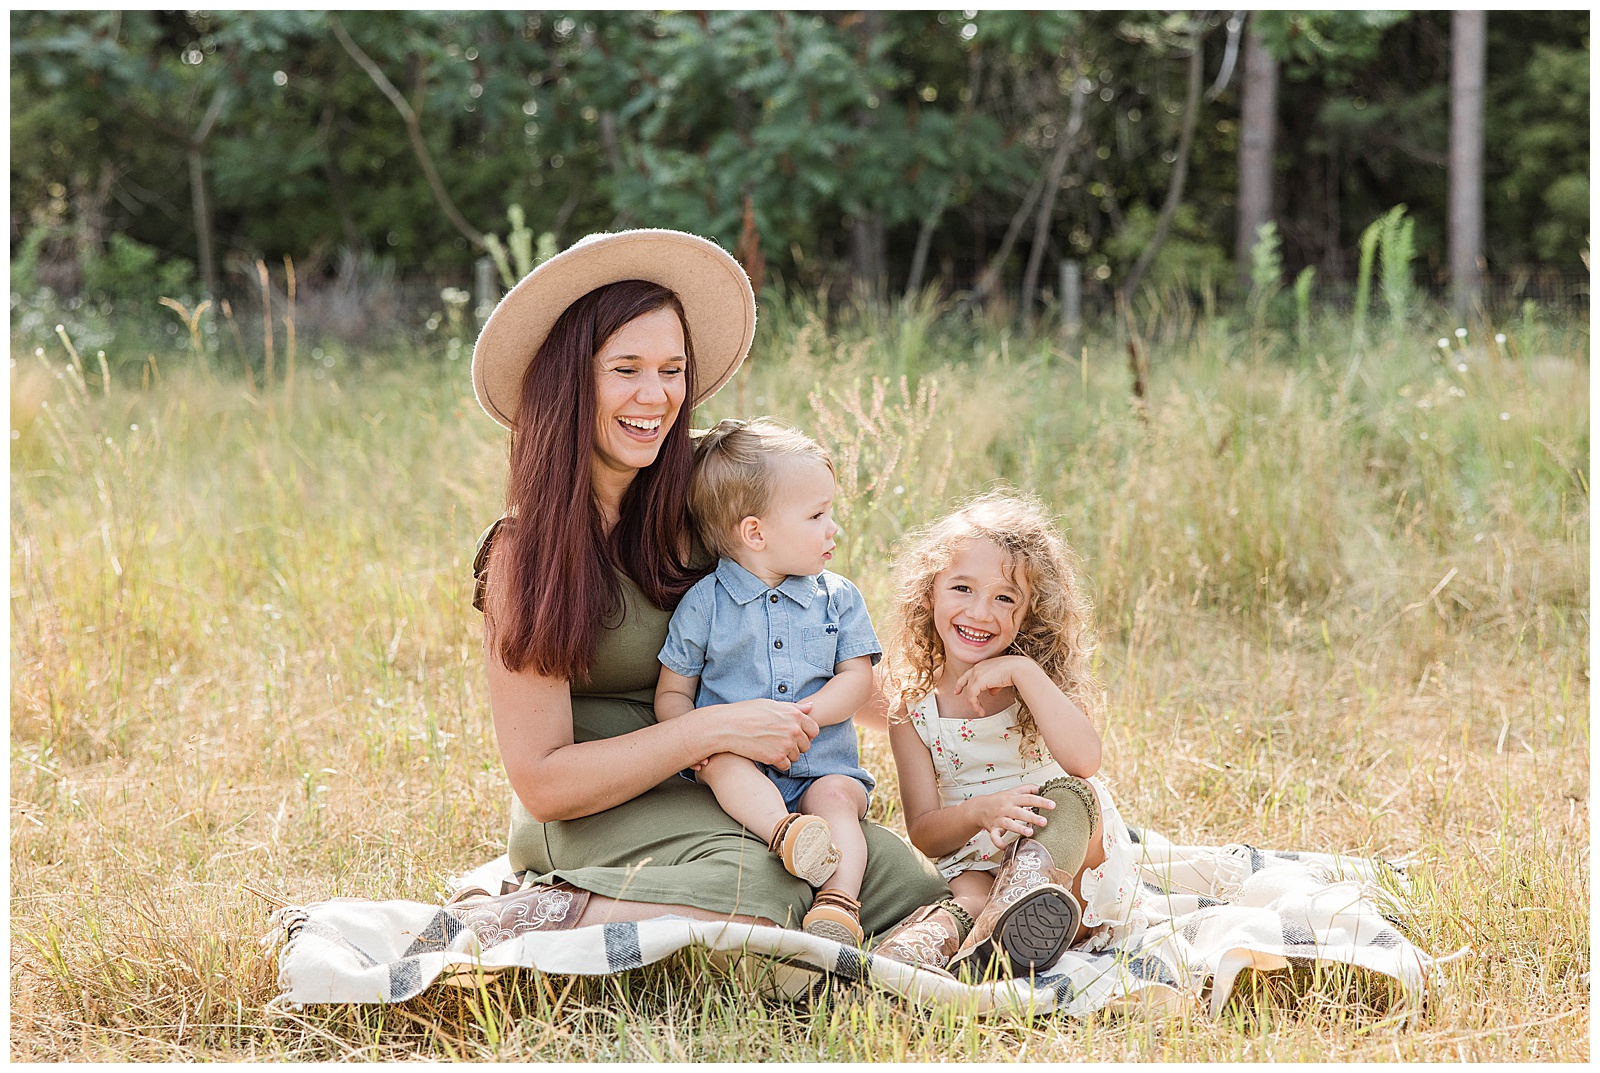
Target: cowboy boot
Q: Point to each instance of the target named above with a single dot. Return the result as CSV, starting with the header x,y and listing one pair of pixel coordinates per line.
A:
x,y
929,937
1030,917
533,907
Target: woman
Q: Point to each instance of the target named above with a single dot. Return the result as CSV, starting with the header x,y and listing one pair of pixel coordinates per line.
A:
x,y
594,361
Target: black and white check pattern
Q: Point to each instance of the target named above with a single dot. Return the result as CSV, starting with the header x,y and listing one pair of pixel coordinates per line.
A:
x,y
1208,913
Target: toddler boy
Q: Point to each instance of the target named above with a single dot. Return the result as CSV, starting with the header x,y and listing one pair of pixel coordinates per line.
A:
x,y
772,622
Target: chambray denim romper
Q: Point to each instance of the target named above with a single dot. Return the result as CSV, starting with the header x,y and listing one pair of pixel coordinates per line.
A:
x,y
745,641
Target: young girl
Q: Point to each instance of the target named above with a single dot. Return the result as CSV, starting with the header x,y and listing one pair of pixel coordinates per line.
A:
x,y
995,749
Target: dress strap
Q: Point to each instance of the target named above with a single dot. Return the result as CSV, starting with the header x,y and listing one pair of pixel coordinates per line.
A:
x,y
480,563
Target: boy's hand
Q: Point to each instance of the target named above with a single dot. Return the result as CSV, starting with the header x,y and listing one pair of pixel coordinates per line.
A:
x,y
1010,814
991,676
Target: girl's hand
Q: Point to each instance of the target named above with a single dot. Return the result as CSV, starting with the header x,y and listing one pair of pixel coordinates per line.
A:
x,y
767,731
991,676
1011,812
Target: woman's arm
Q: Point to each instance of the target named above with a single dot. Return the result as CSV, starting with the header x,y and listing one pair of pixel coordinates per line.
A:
x,y
1067,731
556,778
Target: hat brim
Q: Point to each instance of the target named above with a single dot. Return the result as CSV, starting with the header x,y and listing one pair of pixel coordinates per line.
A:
x,y
718,305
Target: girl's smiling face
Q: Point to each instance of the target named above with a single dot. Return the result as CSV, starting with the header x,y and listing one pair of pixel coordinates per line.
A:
x,y
979,602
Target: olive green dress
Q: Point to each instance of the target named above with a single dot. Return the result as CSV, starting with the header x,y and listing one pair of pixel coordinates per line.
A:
x,y
673,844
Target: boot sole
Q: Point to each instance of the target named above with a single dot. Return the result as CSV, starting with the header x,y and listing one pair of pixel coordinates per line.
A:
x,y
813,857
832,929
1033,932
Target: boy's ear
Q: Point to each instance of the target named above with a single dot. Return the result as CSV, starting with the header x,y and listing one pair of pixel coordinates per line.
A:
x,y
750,535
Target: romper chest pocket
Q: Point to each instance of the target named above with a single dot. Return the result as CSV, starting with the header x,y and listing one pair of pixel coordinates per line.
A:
x,y
820,646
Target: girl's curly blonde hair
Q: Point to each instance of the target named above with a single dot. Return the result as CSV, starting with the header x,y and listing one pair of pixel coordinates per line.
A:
x,y
1055,632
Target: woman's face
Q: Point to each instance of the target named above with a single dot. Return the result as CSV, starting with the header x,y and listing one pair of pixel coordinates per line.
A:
x,y
639,389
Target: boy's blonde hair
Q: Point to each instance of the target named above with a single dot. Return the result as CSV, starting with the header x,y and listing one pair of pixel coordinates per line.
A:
x,y
736,473
1055,630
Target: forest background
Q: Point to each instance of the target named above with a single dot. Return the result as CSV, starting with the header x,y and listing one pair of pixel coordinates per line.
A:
x,y
870,152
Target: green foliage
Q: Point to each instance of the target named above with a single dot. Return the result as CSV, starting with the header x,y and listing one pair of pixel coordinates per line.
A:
x,y
520,242
25,261
1266,263
1302,305
1542,123
1369,248
1324,42
830,123
1191,257
133,273
1396,250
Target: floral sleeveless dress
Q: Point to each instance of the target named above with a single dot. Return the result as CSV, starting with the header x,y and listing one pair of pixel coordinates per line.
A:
x,y
973,756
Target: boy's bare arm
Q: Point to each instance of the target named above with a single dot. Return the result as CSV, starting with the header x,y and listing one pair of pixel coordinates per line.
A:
x,y
674,694
848,690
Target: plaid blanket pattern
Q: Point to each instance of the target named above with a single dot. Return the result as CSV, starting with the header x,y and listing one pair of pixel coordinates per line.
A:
x,y
1208,913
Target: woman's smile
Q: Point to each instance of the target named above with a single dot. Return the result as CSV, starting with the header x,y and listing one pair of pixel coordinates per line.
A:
x,y
639,390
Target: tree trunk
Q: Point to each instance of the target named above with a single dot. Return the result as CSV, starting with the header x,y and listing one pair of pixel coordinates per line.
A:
x,y
1258,123
991,275
199,196
413,122
930,221
1467,52
919,258
1052,186
866,224
1180,171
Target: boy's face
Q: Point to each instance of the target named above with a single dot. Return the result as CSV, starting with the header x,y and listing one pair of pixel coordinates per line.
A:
x,y
796,534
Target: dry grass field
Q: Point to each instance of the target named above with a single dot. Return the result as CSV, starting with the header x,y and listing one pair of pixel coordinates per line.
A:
x,y
1343,598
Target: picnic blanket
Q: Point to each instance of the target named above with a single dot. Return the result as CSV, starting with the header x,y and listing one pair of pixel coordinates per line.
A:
x,y
1207,913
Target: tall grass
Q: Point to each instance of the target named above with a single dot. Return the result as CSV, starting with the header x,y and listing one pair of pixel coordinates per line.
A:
x,y
1342,608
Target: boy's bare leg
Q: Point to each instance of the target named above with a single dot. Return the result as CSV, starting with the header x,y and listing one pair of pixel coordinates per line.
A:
x,y
744,793
971,890
841,801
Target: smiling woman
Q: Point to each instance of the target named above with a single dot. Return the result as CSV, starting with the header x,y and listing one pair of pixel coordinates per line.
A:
x,y
641,377
594,362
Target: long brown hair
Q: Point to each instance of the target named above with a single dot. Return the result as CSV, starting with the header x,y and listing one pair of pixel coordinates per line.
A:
x,y
552,570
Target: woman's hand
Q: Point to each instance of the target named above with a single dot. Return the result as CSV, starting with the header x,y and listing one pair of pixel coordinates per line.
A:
x,y
991,676
767,731
1010,811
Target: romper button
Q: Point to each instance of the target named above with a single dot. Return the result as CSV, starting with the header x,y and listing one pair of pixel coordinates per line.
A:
x,y
777,644
783,689
773,598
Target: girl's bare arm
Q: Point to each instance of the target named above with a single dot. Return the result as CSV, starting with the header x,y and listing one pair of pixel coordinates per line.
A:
x,y
1067,731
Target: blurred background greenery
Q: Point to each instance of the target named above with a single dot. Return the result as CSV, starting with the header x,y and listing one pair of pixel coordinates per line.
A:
x,y
166,153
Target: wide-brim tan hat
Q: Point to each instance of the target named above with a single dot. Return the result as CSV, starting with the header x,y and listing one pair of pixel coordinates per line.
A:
x,y
717,302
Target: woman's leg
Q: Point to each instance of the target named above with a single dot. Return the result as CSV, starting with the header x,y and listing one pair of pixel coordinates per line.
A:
x,y
603,910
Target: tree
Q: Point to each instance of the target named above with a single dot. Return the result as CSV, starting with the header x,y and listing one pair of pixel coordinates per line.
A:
x,y
1180,167
1258,122
1467,47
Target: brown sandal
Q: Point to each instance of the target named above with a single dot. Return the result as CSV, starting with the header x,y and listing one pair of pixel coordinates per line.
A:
x,y
805,845
835,915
